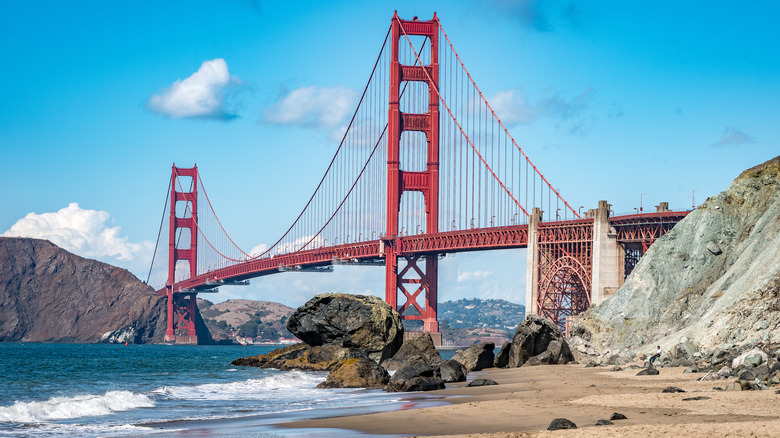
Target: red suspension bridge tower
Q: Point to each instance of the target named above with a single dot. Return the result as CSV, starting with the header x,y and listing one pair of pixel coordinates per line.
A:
x,y
413,279
182,305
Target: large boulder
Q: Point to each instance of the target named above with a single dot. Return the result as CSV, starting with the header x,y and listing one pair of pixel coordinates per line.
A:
x,y
502,358
452,371
360,323
537,335
416,376
356,373
476,357
417,348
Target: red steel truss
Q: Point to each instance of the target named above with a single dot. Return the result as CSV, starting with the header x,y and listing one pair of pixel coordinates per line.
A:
x,y
645,228
565,253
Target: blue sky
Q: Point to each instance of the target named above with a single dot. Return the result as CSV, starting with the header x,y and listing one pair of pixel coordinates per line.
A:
x,y
610,100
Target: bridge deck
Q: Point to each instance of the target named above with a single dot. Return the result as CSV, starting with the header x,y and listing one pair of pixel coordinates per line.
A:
x,y
631,228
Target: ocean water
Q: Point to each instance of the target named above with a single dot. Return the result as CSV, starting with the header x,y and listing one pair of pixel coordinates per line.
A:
x,y
102,390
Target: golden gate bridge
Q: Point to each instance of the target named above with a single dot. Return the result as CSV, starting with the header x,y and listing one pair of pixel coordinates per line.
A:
x,y
425,168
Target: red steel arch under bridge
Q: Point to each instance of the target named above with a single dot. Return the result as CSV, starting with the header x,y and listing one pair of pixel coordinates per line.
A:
x,y
425,168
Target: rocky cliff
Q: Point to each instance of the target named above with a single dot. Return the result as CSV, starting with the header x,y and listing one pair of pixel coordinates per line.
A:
x,y
50,295
713,280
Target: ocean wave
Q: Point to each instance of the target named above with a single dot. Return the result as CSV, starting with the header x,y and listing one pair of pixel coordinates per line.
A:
x,y
61,408
263,388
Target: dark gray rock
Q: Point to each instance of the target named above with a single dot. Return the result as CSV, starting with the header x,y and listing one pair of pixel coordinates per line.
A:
x,y
502,358
452,371
617,416
481,382
719,356
555,351
361,323
672,389
476,357
420,383
649,371
604,423
417,348
533,337
561,423
714,248
700,397
416,376
356,373
747,375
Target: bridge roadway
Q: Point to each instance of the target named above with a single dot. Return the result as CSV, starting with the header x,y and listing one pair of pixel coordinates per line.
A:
x,y
640,228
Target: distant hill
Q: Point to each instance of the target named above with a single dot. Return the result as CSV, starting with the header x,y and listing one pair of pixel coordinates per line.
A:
x,y
470,320
247,318
50,295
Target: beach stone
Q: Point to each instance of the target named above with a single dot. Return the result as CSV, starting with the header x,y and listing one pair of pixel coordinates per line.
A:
x,y
452,371
700,397
561,423
604,423
502,358
356,373
649,371
533,337
672,389
740,360
733,386
692,369
481,382
356,322
417,348
417,376
747,375
617,416
421,383
719,355
476,357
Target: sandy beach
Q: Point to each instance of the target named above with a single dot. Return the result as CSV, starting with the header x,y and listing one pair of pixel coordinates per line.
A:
x,y
527,399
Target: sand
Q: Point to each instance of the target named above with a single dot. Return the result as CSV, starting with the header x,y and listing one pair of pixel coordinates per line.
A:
x,y
527,399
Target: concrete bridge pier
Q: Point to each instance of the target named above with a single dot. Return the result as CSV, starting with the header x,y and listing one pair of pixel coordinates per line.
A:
x,y
607,261
532,263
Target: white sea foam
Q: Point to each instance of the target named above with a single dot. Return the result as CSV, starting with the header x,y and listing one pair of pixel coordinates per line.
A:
x,y
60,408
277,385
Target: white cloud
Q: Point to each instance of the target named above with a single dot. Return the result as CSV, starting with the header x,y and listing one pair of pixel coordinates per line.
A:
x,y
512,107
467,276
258,249
734,137
313,107
83,232
201,95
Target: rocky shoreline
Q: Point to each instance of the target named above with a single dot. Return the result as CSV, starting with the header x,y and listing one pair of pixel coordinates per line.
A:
x,y
359,340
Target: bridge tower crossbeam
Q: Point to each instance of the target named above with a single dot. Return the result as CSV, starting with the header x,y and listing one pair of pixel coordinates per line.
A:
x,y
400,181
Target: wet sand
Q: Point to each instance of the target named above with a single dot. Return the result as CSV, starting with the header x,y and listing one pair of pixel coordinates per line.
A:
x,y
527,399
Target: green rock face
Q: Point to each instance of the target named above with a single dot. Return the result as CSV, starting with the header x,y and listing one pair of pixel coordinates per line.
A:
x,y
714,279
